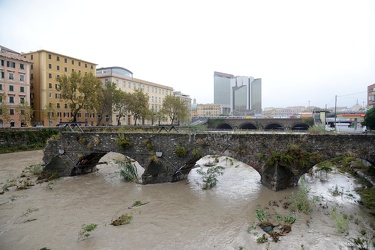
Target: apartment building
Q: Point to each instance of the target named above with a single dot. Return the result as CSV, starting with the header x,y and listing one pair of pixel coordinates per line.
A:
x,y
45,96
14,89
124,80
371,96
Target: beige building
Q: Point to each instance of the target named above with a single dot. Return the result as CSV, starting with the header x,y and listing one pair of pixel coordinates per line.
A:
x,y
14,88
45,97
209,109
125,81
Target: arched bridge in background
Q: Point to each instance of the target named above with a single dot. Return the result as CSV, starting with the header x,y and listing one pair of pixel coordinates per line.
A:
x,y
258,123
73,152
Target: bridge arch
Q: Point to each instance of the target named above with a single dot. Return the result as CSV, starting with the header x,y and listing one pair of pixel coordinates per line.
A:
x,y
224,126
301,126
247,125
274,126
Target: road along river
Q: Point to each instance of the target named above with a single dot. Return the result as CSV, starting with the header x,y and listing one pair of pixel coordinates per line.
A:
x,y
177,215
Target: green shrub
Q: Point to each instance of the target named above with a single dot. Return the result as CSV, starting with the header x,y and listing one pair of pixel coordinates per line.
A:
x,y
128,171
123,142
180,151
209,177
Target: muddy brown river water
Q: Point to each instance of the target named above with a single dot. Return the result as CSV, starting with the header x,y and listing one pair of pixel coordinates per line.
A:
x,y
177,215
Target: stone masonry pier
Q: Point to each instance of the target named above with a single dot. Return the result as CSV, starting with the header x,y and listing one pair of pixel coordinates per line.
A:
x,y
72,153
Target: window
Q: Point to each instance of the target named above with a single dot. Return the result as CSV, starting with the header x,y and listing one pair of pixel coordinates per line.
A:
x,y
57,76
116,83
85,65
32,96
22,100
49,56
92,67
11,64
32,57
22,66
57,86
129,85
58,67
2,75
123,84
22,112
58,58
58,105
79,63
11,76
22,78
134,86
11,99
58,96
32,66
66,106
49,75
22,89
50,66
65,69
11,88
2,62
72,70
72,62
31,76
1,87
49,95
50,85
11,111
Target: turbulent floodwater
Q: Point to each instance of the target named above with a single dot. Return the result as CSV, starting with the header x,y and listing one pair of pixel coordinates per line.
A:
x,y
177,216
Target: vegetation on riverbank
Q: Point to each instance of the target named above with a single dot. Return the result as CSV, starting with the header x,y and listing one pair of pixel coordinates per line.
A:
x,y
17,140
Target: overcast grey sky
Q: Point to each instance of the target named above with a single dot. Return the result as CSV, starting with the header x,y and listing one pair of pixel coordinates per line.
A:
x,y
306,52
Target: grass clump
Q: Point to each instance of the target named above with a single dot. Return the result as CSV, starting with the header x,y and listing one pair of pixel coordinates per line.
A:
x,y
122,220
86,231
261,214
300,201
35,169
209,177
128,171
341,220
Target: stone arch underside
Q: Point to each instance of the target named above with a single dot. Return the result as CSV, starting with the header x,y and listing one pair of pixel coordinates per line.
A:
x,y
273,126
300,126
224,126
182,172
247,126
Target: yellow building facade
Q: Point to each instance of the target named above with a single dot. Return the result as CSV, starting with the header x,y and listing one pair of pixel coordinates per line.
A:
x,y
125,81
45,97
210,109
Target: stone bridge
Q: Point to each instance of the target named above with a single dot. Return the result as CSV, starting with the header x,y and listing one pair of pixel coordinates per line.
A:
x,y
280,158
258,123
